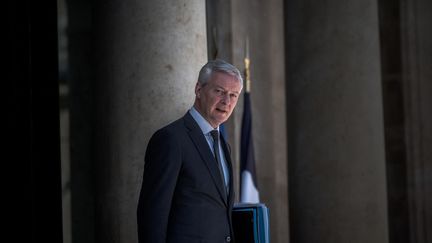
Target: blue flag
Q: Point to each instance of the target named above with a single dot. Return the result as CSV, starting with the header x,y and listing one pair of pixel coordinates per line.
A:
x,y
248,184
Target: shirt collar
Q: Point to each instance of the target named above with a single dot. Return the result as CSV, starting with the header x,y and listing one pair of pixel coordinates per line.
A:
x,y
202,123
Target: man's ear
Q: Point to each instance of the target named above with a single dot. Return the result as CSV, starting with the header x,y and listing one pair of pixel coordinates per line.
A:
x,y
197,89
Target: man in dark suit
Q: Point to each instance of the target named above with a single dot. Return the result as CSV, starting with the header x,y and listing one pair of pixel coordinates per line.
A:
x,y
187,191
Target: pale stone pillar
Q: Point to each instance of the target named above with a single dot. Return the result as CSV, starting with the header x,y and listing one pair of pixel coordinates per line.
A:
x,y
148,59
336,144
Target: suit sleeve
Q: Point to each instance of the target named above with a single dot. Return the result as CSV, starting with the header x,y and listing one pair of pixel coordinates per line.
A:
x,y
161,170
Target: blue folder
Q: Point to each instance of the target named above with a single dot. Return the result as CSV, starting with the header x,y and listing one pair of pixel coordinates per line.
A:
x,y
251,223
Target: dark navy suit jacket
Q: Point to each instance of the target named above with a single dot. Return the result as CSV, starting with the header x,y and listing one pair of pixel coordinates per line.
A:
x,y
182,197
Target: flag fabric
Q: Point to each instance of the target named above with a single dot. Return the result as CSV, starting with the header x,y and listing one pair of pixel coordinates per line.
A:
x,y
248,184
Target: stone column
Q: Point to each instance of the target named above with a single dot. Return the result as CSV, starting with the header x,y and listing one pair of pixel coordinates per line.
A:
x,y
148,57
337,174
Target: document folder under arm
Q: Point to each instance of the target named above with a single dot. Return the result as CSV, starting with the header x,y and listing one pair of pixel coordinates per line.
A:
x,y
251,223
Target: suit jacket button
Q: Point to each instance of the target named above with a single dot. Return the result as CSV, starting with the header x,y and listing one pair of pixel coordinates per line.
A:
x,y
228,239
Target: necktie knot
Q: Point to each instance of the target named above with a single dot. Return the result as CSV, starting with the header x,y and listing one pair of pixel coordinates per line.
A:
x,y
215,135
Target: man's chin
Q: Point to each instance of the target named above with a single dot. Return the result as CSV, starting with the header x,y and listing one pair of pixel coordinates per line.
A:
x,y
220,117
222,120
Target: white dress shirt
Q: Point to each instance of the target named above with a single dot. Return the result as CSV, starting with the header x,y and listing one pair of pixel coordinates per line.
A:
x,y
206,128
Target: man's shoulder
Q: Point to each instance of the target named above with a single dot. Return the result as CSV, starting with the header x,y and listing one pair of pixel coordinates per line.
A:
x,y
175,127
168,134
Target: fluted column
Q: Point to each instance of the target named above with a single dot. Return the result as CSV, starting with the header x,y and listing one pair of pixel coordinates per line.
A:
x,y
337,173
148,57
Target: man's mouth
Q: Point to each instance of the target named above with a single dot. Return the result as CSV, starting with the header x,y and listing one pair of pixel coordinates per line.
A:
x,y
221,110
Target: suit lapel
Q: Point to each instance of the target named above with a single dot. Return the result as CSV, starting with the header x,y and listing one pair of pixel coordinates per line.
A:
x,y
227,153
203,148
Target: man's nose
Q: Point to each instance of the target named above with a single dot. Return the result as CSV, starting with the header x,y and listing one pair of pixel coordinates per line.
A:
x,y
226,99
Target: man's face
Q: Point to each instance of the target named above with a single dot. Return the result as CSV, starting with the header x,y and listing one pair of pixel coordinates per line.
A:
x,y
217,98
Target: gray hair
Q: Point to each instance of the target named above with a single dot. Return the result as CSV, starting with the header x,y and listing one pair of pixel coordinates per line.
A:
x,y
218,65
